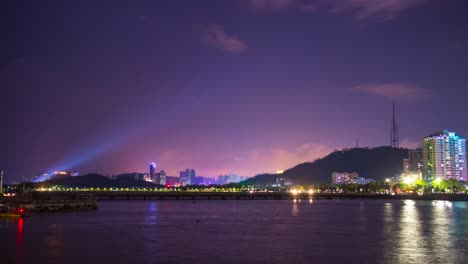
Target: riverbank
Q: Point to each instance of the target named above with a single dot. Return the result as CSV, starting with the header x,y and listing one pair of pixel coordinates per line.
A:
x,y
32,203
182,195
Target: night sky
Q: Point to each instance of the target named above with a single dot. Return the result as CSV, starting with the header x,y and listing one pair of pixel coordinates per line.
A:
x,y
244,86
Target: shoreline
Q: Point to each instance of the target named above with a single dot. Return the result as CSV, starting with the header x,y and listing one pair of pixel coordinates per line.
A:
x,y
135,195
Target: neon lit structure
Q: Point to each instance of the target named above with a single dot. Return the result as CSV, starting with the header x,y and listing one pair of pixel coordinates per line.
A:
x,y
444,156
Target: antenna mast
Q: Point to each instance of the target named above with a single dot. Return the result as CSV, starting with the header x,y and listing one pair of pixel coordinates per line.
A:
x,y
394,138
1,182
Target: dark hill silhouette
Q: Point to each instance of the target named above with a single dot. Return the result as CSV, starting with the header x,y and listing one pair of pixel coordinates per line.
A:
x,y
95,181
375,163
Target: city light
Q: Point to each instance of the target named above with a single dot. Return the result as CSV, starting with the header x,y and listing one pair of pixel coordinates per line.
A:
x,y
409,180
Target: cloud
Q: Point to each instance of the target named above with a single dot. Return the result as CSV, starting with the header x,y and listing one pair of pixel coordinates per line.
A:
x,y
249,162
309,7
406,143
214,35
359,9
283,158
400,91
378,9
268,5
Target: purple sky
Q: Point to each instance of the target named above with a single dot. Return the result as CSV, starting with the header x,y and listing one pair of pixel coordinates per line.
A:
x,y
245,86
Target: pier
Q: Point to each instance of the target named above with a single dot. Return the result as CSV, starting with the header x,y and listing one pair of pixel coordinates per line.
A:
x,y
52,203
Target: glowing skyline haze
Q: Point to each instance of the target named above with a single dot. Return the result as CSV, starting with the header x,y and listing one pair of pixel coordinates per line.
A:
x,y
242,86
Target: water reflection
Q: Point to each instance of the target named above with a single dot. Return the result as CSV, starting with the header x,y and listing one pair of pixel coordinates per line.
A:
x,y
442,204
411,245
389,220
152,207
54,241
264,231
295,210
362,217
424,233
152,213
19,239
440,239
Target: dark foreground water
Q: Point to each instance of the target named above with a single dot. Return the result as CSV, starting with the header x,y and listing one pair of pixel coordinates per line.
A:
x,y
353,231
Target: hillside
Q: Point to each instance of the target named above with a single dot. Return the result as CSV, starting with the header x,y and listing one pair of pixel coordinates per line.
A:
x,y
375,163
95,181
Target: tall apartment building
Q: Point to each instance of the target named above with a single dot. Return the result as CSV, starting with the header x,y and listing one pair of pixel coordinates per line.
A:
x,y
187,177
152,171
414,162
444,156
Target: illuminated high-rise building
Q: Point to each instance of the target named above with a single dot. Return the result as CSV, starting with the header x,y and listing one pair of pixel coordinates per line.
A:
x,y
414,162
183,178
160,178
152,171
234,178
190,176
444,156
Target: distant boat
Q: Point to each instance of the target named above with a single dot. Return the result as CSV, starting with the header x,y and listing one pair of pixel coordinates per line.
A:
x,y
7,212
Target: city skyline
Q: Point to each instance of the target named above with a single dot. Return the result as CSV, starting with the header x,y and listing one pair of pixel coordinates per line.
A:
x,y
224,86
413,164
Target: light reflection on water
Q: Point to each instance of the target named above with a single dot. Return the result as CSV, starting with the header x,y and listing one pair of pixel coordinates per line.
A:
x,y
411,246
350,231
19,239
54,241
295,208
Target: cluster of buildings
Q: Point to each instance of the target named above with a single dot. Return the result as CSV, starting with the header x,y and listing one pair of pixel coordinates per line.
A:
x,y
442,156
153,176
156,177
283,182
230,178
348,178
186,177
53,175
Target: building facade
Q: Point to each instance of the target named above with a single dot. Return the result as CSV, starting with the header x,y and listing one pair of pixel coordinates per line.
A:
x,y
222,179
344,177
183,178
414,162
187,177
191,176
406,167
161,178
444,156
234,178
152,171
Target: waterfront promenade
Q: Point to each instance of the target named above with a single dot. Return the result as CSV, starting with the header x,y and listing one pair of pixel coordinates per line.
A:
x,y
188,195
